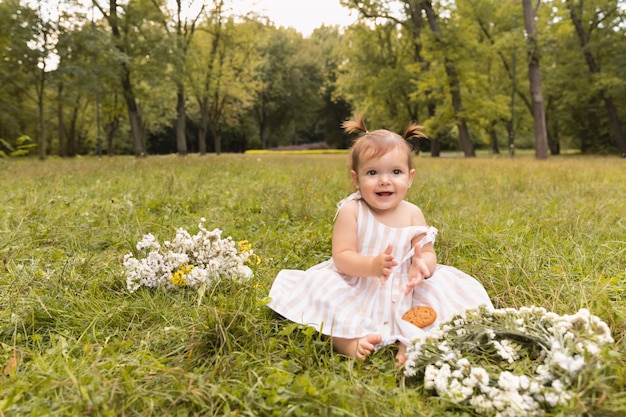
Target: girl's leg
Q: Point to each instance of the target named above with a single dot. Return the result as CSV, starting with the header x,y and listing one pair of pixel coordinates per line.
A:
x,y
401,355
357,348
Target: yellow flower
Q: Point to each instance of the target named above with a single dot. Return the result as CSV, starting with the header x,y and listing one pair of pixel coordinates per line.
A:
x,y
254,259
244,246
178,277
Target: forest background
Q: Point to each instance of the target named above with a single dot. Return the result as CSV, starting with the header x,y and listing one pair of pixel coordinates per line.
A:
x,y
180,76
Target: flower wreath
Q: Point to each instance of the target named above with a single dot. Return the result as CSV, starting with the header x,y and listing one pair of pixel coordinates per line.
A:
x,y
509,362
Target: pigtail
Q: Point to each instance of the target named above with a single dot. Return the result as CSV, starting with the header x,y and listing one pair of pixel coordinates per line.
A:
x,y
355,126
414,131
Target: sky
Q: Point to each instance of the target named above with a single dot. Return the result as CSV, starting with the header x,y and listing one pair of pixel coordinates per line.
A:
x,y
302,15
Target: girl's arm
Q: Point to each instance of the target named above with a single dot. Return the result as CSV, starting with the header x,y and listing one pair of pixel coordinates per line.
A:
x,y
427,255
424,260
345,255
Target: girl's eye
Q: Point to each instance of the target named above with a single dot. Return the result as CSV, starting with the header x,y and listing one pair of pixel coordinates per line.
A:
x,y
371,172
397,171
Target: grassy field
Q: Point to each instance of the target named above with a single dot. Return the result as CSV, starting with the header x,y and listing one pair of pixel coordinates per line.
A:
x,y
74,341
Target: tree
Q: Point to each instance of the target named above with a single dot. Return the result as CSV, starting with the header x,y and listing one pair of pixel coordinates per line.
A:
x,y
453,81
498,40
442,46
42,50
27,50
222,65
289,81
17,66
449,65
325,44
203,75
600,15
378,55
180,29
122,44
80,61
415,26
534,76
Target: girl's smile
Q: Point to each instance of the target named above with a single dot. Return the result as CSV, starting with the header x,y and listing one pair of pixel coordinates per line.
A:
x,y
384,181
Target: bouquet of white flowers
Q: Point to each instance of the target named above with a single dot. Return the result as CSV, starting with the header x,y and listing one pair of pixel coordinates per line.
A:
x,y
510,362
188,261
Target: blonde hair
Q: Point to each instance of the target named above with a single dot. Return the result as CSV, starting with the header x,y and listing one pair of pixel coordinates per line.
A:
x,y
377,143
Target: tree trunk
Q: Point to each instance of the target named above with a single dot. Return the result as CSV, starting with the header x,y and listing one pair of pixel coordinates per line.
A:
x,y
217,139
415,15
534,76
216,111
465,142
71,137
552,131
594,69
42,131
110,129
181,139
617,128
204,125
554,145
42,120
61,126
203,95
435,148
184,33
493,138
136,124
263,133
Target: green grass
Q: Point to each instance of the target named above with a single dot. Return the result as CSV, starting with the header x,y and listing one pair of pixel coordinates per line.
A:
x,y
74,341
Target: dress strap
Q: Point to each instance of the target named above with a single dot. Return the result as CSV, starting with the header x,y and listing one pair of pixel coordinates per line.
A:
x,y
354,196
430,237
431,234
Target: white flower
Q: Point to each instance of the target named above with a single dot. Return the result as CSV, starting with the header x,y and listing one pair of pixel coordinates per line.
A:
x,y
537,362
442,378
557,396
524,382
508,381
430,375
506,349
449,356
187,261
571,364
457,391
509,403
480,375
481,403
463,363
543,374
148,242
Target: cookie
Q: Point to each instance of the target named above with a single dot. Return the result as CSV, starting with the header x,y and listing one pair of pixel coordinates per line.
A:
x,y
420,316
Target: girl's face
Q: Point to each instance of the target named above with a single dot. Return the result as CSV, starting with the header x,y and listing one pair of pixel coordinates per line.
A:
x,y
384,181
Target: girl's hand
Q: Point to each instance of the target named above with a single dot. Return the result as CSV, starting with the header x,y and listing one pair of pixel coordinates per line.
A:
x,y
418,271
383,263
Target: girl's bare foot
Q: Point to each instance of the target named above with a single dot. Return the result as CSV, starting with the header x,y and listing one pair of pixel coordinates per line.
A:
x,y
357,348
401,355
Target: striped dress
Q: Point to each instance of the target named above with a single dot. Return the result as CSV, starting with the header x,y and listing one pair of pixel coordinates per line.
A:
x,y
353,307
